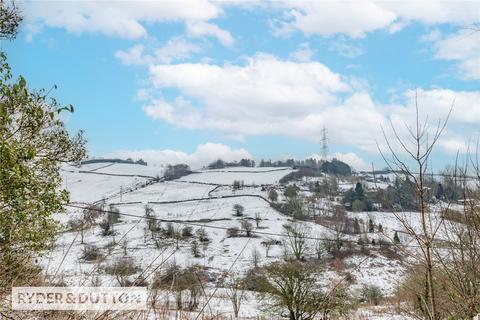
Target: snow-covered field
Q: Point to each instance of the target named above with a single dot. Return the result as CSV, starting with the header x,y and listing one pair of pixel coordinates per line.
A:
x,y
200,200
250,176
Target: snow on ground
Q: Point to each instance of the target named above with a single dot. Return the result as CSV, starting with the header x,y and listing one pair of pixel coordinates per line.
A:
x,y
167,191
390,223
90,187
247,190
250,176
135,169
214,214
375,270
210,214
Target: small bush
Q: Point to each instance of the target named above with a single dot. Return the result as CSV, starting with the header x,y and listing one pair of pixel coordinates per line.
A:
x,y
371,294
238,210
124,266
75,224
91,253
187,232
202,235
113,215
195,249
169,231
232,232
106,227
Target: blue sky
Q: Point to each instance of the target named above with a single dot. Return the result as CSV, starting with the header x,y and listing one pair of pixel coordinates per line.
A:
x,y
193,81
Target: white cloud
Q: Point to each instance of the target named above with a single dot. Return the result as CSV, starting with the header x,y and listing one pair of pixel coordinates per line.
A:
x,y
342,47
462,47
270,96
264,96
201,28
303,53
133,56
453,145
349,158
123,19
357,18
432,12
175,49
436,102
354,18
203,155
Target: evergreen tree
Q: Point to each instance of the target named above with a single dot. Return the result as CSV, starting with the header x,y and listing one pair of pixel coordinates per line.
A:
x,y
359,192
396,239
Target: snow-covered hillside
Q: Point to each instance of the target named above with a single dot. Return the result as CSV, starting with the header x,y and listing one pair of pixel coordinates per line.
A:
x,y
202,200
250,176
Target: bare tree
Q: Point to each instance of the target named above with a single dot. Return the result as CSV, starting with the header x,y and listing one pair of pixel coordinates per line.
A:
x,y
258,219
247,227
458,260
268,243
255,258
296,239
235,290
418,146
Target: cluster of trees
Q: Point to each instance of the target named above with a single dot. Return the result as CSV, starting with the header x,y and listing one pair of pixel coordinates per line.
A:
x,y
336,167
402,194
221,164
129,161
176,171
326,188
357,199
310,168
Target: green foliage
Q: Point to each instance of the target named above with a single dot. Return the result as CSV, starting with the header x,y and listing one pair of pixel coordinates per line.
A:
x,y
396,238
371,294
357,198
401,196
294,207
33,144
292,289
291,191
326,187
